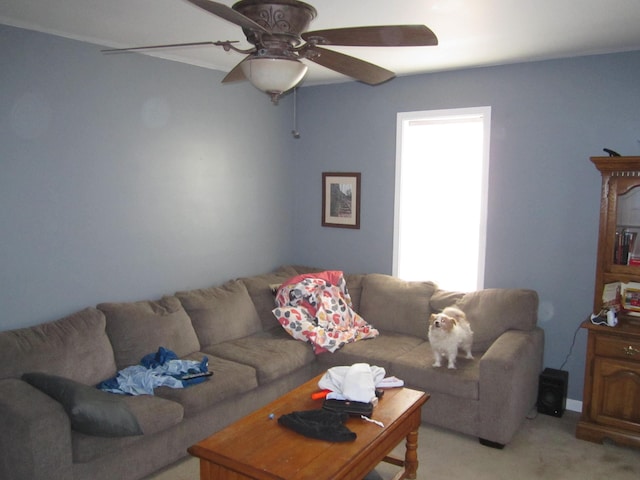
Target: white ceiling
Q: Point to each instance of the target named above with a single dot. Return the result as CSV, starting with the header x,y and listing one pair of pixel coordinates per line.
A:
x,y
471,33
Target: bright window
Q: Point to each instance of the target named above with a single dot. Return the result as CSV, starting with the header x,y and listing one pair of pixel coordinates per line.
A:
x,y
442,166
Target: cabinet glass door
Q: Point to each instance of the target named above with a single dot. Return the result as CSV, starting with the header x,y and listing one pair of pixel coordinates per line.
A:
x,y
627,244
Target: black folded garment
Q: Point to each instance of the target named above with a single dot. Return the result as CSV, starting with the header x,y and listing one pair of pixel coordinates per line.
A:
x,y
319,424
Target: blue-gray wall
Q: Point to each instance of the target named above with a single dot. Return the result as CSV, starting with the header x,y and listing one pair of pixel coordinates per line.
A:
x,y
127,177
548,118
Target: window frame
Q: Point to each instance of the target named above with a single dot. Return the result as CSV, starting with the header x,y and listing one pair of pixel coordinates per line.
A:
x,y
402,122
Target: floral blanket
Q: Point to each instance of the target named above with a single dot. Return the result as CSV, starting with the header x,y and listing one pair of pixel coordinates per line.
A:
x,y
317,308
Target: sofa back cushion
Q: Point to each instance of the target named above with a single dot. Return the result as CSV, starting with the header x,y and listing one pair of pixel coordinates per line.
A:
x,y
139,328
354,287
263,297
391,304
221,313
301,269
444,298
76,347
492,312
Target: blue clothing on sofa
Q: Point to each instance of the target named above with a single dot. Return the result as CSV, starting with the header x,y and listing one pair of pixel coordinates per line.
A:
x,y
162,368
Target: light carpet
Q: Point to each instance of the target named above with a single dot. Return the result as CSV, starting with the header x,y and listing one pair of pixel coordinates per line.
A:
x,y
544,447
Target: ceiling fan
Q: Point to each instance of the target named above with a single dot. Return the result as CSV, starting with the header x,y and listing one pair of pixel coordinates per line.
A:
x,y
277,31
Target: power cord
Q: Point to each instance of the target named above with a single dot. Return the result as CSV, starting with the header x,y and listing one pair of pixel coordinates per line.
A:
x,y
575,334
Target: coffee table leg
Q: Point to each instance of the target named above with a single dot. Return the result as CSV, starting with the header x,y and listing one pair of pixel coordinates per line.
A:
x,y
411,455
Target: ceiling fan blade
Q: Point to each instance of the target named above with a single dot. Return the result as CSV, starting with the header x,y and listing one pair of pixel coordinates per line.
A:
x,y
228,14
381,36
151,47
352,67
236,74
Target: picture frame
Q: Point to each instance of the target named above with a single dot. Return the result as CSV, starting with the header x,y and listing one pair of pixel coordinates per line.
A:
x,y
341,199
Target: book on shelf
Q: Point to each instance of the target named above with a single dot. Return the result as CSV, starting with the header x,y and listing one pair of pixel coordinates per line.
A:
x,y
625,247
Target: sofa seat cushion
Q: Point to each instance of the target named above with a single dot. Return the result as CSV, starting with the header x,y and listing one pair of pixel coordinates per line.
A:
x,y
154,414
273,353
395,305
75,347
221,313
415,368
139,328
380,351
228,380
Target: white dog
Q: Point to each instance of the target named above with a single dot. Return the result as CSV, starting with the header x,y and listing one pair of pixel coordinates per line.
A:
x,y
448,331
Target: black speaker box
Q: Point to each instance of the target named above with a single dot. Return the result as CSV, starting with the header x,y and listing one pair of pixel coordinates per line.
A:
x,y
552,392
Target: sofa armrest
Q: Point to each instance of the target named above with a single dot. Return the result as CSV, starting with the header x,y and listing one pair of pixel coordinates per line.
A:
x,y
36,434
509,372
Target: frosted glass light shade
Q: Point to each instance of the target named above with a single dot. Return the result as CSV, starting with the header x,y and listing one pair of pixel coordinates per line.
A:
x,y
273,75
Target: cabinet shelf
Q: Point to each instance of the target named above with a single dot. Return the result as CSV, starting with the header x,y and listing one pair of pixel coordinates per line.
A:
x,y
628,270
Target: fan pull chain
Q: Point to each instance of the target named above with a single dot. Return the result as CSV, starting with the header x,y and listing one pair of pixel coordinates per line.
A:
x,y
295,132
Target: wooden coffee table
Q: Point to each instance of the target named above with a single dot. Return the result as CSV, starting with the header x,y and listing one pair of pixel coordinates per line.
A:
x,y
258,447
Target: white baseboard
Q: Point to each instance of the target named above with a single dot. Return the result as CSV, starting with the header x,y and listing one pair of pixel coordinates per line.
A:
x,y
574,405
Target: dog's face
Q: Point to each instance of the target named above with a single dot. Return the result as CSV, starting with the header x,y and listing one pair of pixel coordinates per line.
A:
x,y
442,322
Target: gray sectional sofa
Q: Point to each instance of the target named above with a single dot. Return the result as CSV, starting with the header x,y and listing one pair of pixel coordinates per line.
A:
x,y
254,361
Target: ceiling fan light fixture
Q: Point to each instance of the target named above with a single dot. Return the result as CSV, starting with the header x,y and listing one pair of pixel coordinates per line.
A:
x,y
274,76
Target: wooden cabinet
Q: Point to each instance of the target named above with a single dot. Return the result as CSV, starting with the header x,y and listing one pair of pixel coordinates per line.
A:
x,y
611,401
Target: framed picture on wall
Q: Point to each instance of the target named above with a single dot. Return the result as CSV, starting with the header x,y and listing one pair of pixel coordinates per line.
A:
x,y
341,200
